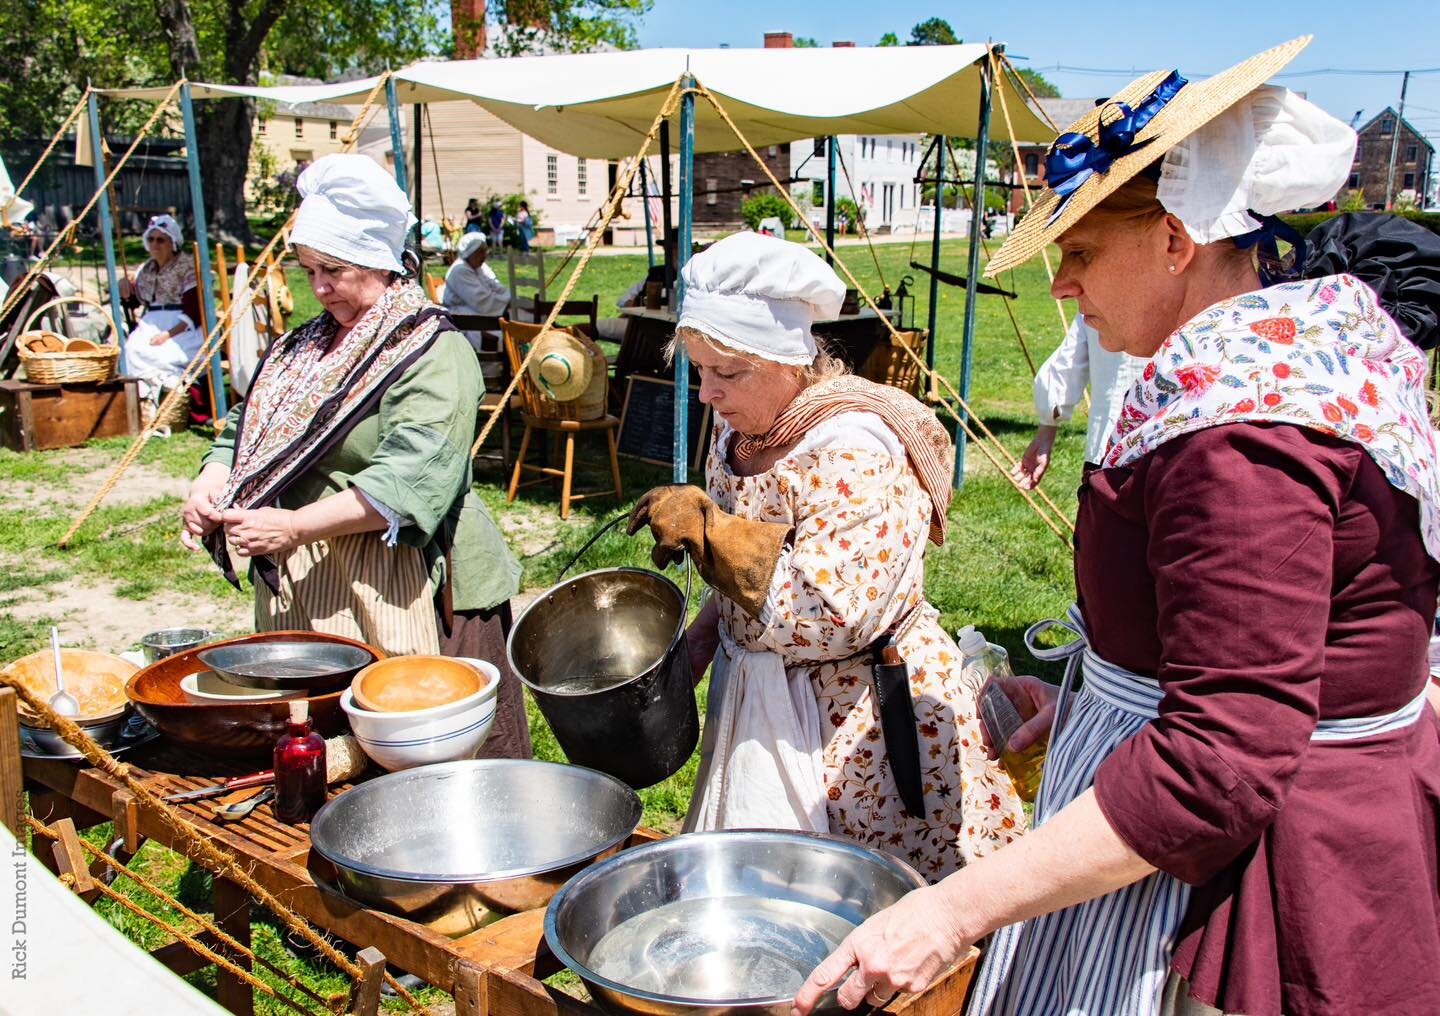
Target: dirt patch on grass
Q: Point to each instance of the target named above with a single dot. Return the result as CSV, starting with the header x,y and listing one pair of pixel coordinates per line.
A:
x,y
72,477
92,615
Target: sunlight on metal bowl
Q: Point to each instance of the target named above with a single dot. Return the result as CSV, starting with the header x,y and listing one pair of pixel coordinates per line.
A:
x,y
454,845
712,923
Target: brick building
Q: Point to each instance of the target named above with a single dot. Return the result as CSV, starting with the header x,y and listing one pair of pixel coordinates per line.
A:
x,y
1413,158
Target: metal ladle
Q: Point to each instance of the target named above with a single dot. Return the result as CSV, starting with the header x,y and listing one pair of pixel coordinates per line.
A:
x,y
62,701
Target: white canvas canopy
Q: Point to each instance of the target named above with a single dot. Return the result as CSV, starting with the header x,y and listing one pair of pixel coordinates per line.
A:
x,y
599,105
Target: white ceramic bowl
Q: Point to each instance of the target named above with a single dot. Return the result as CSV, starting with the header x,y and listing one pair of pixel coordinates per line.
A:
x,y
206,687
489,684
419,737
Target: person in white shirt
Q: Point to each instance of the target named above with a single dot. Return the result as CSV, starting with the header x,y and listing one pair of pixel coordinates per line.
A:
x,y
470,285
1078,360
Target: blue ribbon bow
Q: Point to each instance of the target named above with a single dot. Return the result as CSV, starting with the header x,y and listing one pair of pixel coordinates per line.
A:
x,y
1075,158
1273,268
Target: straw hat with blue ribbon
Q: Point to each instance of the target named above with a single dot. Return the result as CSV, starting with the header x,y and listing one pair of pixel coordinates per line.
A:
x,y
563,365
1109,146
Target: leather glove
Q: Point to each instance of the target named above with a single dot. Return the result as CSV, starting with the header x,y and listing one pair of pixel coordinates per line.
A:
x,y
735,556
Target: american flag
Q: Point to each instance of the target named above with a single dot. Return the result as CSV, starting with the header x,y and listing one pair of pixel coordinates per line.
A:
x,y
653,206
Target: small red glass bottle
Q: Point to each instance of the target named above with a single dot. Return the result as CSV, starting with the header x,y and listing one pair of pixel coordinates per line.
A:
x,y
299,768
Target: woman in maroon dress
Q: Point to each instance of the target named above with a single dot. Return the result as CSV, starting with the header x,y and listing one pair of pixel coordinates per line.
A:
x,y
1240,806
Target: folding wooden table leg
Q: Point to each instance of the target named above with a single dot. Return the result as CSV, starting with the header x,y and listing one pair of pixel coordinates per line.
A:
x,y
232,913
12,776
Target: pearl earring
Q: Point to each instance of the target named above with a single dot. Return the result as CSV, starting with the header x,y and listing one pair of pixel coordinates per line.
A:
x,y
1172,269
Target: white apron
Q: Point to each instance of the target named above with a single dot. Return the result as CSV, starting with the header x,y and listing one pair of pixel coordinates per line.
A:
x,y
1109,956
761,759
161,365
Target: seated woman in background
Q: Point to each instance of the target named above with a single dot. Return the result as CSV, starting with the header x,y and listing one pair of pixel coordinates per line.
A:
x,y
470,285
344,476
166,338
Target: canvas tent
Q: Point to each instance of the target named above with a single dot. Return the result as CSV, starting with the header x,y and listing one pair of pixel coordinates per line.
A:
x,y
600,105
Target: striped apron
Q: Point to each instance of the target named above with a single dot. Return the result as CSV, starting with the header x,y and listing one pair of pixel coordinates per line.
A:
x,y
1109,956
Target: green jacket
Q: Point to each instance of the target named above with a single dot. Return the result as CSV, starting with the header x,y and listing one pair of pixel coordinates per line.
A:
x,y
412,454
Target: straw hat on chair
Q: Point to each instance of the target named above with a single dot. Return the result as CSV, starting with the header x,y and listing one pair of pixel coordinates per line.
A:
x,y
562,366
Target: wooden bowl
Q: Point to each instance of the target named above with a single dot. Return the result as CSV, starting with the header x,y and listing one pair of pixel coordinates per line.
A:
x,y
221,728
402,684
97,680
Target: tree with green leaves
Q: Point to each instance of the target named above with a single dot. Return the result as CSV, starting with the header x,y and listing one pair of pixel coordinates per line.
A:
x,y
573,26
806,42
889,39
933,32
1042,88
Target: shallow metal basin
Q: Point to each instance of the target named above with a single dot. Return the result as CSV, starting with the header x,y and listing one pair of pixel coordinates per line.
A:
x,y
287,666
718,923
455,845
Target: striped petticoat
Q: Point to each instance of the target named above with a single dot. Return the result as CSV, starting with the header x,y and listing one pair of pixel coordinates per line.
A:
x,y
1109,956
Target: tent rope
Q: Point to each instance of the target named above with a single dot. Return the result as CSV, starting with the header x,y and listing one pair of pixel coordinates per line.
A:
x,y
54,140
960,420
197,845
189,937
860,220
218,335
608,210
20,289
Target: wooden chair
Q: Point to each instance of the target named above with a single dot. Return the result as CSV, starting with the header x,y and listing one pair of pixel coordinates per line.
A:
x,y
538,412
495,366
526,270
587,309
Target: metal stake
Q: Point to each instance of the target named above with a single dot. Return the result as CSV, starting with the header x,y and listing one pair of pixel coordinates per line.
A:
x,y
972,280
830,198
645,204
202,245
107,230
682,255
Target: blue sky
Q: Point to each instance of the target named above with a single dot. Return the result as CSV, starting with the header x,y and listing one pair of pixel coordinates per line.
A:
x,y
1197,37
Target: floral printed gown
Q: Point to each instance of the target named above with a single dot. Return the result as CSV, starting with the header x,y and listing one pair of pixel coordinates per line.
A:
x,y
856,569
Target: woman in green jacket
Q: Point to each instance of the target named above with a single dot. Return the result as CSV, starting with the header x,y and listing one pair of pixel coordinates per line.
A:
x,y
344,477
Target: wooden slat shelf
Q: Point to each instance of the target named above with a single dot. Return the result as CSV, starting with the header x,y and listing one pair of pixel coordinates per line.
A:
x,y
494,970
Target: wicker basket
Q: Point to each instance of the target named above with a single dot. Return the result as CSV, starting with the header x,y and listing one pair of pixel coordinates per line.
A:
x,y
889,363
71,366
177,417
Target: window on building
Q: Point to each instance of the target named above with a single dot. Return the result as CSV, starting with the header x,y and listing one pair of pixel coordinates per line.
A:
x,y
1032,164
1354,181
774,150
817,193
582,175
334,130
1409,183
299,127
889,149
1387,126
711,186
552,175
260,127
1411,152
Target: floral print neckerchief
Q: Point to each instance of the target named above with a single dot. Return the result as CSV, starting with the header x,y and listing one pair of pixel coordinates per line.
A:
x,y
1318,353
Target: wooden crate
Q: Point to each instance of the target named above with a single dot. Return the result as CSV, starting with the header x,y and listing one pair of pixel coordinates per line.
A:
x,y
40,417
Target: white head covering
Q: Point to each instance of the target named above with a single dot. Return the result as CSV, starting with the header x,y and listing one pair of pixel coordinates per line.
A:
x,y
760,295
352,210
164,224
1271,152
470,243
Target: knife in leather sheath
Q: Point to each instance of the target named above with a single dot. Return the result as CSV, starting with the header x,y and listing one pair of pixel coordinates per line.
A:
x,y
897,722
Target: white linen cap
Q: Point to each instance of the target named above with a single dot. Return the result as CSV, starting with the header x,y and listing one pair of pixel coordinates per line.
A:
x,y
353,210
164,224
760,295
469,243
1271,152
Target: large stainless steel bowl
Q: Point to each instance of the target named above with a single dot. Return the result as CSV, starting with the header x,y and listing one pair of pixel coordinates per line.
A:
x,y
717,923
455,845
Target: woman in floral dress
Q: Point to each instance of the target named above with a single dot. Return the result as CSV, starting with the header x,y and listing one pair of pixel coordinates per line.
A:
x,y
822,493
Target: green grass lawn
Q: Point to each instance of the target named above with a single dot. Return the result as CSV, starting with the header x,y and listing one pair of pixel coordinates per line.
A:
x,y
1000,569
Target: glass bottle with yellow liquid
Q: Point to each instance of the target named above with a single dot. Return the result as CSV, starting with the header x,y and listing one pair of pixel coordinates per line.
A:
x,y
984,659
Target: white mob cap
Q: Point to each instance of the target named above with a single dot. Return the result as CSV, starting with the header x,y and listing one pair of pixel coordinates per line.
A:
x,y
166,225
760,295
353,210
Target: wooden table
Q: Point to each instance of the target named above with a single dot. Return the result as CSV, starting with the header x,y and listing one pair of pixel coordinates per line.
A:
x,y
494,970
36,417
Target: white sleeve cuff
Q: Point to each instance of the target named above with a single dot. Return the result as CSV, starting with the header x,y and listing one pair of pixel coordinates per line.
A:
x,y
393,519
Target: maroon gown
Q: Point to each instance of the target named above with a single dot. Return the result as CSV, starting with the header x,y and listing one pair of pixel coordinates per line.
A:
x,y
1268,575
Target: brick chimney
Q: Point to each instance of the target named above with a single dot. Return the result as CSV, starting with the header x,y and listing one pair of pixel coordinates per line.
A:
x,y
842,45
779,40
467,21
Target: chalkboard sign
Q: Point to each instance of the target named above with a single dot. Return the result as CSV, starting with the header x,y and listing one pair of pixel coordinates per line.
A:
x,y
647,422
